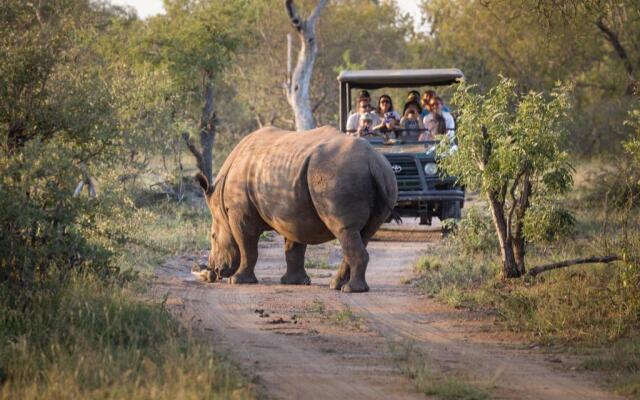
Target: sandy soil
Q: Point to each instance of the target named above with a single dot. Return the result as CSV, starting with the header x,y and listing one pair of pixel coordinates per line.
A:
x,y
292,339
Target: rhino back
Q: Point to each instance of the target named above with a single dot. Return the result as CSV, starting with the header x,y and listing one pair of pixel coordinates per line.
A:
x,y
306,185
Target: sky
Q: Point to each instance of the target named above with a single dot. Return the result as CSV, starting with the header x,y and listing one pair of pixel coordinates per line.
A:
x,y
146,8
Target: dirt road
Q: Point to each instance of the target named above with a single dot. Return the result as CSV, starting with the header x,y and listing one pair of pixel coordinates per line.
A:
x,y
315,343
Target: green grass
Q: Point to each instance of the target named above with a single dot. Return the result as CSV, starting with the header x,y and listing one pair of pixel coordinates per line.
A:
x,y
171,228
432,381
90,339
344,317
314,263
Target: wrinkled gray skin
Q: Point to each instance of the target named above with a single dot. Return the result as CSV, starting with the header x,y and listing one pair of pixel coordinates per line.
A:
x,y
310,187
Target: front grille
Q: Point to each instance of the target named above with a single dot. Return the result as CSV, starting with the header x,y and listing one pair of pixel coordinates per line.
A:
x,y
407,175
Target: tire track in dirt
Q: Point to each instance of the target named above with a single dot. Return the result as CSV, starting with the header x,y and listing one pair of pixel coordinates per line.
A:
x,y
299,354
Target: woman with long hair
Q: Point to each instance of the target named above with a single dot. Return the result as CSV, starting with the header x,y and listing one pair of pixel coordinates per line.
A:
x,y
389,119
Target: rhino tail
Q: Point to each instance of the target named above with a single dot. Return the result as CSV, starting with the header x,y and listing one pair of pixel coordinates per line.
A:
x,y
386,187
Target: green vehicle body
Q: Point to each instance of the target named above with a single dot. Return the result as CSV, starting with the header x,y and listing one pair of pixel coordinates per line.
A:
x,y
422,193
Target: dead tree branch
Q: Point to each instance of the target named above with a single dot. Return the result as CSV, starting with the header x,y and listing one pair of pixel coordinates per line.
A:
x,y
612,37
298,82
562,264
86,181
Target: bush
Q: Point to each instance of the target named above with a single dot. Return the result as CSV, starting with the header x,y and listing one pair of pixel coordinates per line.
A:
x,y
474,233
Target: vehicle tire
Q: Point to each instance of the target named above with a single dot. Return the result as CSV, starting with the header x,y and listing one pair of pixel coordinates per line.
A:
x,y
424,219
452,210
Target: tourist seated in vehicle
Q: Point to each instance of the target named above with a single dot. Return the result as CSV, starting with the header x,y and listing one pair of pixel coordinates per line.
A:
x,y
425,102
365,126
353,122
413,95
438,121
410,125
363,94
389,118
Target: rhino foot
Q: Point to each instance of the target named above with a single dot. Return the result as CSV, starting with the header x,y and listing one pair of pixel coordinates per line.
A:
x,y
355,286
337,283
295,279
243,278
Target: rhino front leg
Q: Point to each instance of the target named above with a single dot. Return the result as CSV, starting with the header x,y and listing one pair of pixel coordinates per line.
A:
x,y
294,254
248,257
356,256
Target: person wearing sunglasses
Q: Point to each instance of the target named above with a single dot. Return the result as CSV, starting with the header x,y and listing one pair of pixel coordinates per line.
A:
x,y
389,118
438,121
354,123
425,101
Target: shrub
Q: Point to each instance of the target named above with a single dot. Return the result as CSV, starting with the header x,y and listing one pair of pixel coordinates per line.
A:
x,y
474,233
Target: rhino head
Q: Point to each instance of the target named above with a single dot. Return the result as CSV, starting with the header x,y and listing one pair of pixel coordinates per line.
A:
x,y
224,257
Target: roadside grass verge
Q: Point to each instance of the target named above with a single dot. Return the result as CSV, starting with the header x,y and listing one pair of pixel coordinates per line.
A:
x,y
591,304
595,306
93,337
432,381
620,364
89,339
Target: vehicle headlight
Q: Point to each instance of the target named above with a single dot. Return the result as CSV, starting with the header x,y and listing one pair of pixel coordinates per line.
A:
x,y
430,169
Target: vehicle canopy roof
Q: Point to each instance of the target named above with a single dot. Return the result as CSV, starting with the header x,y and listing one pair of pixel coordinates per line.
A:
x,y
391,78
378,78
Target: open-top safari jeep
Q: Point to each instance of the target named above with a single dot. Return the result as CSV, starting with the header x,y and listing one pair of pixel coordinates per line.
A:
x,y
422,191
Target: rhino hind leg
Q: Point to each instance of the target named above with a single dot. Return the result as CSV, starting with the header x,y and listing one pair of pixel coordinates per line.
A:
x,y
342,276
294,254
357,258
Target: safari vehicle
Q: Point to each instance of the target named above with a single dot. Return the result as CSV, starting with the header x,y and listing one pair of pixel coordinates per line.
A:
x,y
422,190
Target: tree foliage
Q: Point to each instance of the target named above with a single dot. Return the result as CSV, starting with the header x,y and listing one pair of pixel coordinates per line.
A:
x,y
510,147
539,42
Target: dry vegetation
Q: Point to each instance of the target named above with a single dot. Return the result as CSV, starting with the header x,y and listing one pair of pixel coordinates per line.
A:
x,y
593,306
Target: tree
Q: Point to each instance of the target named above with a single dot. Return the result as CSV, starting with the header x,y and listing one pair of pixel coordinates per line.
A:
x,y
299,83
537,43
617,22
196,41
58,115
510,148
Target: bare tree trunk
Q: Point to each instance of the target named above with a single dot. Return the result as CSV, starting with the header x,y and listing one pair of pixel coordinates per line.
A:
x,y
509,265
299,83
204,156
519,245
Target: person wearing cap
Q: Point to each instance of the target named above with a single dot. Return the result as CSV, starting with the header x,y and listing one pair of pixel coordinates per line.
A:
x,y
365,125
363,94
354,124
